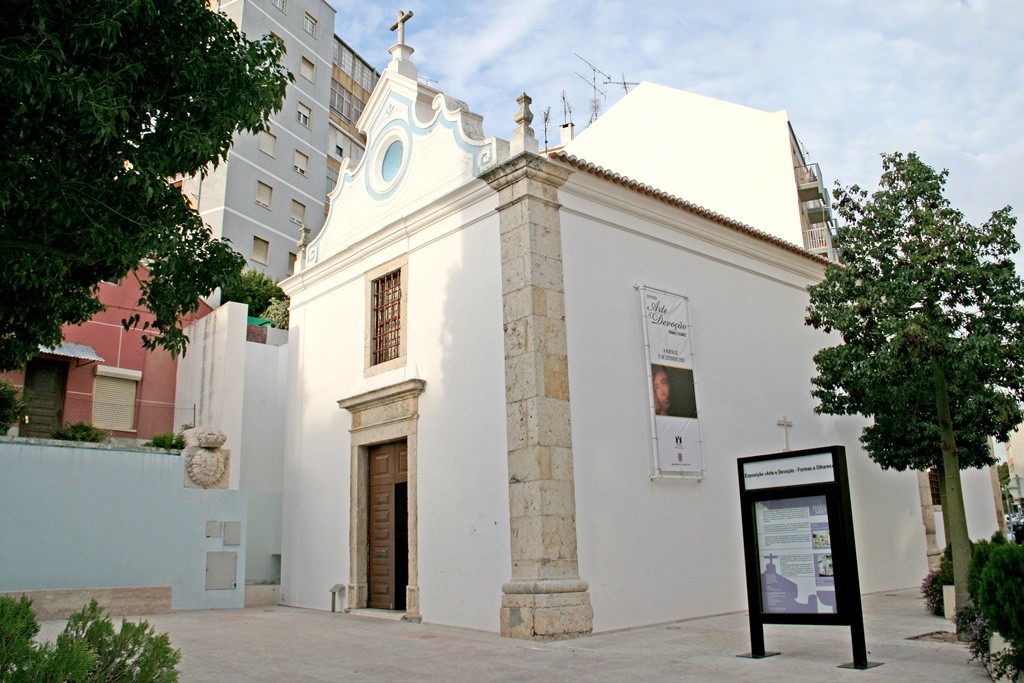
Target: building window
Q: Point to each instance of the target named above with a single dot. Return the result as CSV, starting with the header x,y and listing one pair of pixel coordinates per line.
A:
x,y
302,114
364,76
264,194
386,302
268,143
293,258
260,250
309,25
307,69
281,5
933,484
300,162
344,103
346,60
113,398
298,214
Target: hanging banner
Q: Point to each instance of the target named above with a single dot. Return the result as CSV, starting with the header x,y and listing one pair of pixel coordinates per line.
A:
x,y
677,448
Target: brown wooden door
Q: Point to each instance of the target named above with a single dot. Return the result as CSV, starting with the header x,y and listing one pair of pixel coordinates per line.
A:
x,y
45,382
388,526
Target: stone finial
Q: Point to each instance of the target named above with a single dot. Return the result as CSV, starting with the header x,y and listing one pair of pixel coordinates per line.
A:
x,y
302,244
523,139
524,115
206,462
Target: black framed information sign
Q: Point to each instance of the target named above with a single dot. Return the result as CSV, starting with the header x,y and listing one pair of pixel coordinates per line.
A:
x,y
799,551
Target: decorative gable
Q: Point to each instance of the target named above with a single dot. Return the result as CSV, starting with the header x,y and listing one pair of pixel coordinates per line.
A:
x,y
421,145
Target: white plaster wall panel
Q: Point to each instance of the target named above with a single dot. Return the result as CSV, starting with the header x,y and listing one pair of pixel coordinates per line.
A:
x,y
263,429
263,446
211,376
644,545
294,441
978,503
723,156
328,362
456,343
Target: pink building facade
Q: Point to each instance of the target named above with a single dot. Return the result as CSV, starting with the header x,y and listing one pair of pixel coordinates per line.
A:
x,y
102,375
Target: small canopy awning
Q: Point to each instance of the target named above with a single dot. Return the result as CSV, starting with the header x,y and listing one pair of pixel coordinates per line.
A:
x,y
82,352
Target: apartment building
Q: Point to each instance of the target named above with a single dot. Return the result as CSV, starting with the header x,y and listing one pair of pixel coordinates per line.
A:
x,y
274,185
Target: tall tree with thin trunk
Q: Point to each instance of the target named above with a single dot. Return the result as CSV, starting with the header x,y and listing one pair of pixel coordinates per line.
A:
x,y
929,308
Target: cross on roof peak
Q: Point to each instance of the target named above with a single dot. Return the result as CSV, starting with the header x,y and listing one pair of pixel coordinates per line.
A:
x,y
399,25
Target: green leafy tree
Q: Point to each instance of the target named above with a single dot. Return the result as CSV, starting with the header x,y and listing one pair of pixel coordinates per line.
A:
x,y
1004,474
930,312
102,103
259,291
12,405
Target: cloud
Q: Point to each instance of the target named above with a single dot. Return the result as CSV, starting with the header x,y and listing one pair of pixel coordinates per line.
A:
x,y
857,78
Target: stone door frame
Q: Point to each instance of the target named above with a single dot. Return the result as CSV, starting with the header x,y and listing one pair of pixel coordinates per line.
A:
x,y
380,416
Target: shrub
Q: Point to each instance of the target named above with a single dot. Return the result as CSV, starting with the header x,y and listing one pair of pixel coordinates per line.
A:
x,y
80,431
931,587
980,553
277,313
136,653
167,441
12,405
253,288
1001,602
87,650
170,440
22,659
974,628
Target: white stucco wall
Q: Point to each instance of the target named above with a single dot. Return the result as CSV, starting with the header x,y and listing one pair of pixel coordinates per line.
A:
x,y
978,504
211,376
661,550
652,551
725,157
239,387
86,517
455,345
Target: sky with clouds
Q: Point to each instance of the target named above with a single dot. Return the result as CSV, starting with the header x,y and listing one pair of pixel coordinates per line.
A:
x,y
944,78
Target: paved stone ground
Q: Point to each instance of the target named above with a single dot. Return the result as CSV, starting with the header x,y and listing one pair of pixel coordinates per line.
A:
x,y
287,644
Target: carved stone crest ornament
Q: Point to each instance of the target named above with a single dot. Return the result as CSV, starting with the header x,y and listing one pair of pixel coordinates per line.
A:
x,y
207,463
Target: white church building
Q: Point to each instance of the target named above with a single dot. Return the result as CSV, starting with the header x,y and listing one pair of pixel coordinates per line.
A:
x,y
472,434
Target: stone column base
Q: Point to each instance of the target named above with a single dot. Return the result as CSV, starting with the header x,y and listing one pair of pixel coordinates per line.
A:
x,y
546,615
412,604
357,595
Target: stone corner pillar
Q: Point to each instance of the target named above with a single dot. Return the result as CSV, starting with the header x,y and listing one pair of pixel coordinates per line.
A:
x,y
545,599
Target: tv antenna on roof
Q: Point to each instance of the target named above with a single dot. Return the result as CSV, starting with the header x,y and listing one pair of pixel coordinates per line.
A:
x,y
566,109
624,83
595,103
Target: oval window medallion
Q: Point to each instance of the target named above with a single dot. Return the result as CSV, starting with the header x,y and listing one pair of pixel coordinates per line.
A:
x,y
389,162
392,162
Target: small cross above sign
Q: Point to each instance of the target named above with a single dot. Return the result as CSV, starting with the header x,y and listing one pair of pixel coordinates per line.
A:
x,y
399,25
785,423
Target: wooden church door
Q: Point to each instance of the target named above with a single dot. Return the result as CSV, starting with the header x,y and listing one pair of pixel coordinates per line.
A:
x,y
388,546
